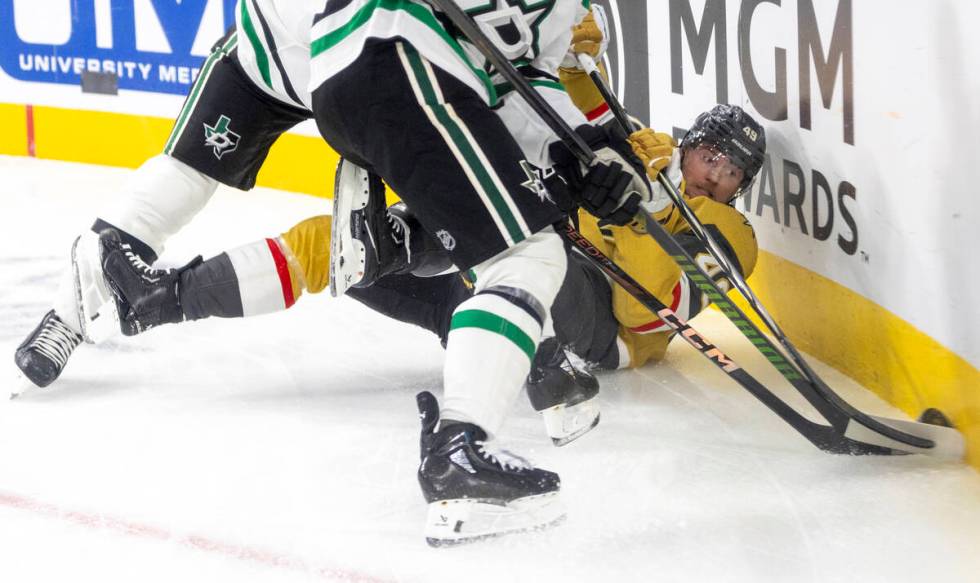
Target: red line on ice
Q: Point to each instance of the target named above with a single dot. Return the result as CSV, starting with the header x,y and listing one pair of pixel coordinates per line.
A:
x,y
196,542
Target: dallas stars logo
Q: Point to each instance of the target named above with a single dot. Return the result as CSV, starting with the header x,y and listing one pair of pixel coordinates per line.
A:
x,y
222,139
512,25
534,182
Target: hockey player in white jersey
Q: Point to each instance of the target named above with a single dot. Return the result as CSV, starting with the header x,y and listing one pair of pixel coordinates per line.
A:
x,y
467,177
418,112
251,89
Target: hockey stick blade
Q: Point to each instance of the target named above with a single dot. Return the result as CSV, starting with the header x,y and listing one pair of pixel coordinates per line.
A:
x,y
948,443
840,414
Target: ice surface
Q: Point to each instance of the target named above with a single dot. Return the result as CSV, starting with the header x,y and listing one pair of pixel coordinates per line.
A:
x,y
283,448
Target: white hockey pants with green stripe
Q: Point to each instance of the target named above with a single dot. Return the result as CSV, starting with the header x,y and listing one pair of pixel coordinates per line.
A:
x,y
494,334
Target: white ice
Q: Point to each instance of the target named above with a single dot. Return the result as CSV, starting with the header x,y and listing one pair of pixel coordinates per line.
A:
x,y
284,448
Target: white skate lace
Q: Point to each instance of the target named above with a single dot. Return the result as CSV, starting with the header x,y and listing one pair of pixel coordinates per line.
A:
x,y
573,363
502,457
144,268
56,341
400,233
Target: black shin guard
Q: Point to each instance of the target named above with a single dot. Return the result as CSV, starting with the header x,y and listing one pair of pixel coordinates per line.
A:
x,y
583,316
428,302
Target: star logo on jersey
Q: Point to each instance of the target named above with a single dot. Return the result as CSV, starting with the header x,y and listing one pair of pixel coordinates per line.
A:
x,y
512,25
534,182
220,137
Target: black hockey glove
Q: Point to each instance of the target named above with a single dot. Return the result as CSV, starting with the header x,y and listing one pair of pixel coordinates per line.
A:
x,y
559,190
613,187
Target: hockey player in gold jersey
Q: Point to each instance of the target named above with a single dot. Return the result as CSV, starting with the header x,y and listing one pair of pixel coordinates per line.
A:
x,y
595,325
715,163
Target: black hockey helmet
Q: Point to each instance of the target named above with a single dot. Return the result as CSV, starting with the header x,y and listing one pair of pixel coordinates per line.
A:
x,y
734,133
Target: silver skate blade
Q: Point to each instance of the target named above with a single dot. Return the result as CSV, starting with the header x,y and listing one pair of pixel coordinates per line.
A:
x,y
77,282
20,385
463,521
564,424
949,443
350,193
98,315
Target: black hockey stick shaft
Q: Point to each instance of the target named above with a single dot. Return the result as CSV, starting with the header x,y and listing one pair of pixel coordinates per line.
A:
x,y
830,404
824,437
588,65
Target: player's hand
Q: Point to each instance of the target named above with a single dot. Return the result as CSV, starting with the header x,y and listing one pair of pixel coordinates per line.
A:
x,y
591,37
654,149
614,185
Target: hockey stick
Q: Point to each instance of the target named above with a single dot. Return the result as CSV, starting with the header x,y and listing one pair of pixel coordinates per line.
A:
x,y
948,444
825,437
879,438
840,413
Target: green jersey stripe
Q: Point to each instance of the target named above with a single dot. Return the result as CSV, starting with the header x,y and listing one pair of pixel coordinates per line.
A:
x,y
199,83
334,37
261,58
465,148
270,41
493,323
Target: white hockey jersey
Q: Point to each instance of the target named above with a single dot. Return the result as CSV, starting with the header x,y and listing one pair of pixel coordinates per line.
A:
x,y
274,46
290,47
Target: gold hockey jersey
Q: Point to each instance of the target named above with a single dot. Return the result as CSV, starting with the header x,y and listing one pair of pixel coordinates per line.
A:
x,y
644,335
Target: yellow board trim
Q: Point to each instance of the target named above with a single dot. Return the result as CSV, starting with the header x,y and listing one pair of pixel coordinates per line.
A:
x,y
300,164
97,137
875,347
295,163
13,135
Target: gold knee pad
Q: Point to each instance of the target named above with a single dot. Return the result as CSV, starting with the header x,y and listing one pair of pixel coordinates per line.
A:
x,y
307,249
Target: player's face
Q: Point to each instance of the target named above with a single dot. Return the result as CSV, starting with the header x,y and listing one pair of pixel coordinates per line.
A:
x,y
708,172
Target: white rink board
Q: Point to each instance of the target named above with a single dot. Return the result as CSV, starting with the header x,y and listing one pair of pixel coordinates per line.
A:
x,y
916,137
283,448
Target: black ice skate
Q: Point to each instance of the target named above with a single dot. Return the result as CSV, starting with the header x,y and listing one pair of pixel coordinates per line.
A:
x,y
423,254
564,394
145,297
369,241
43,355
362,239
473,492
